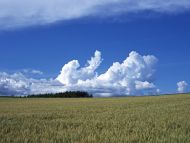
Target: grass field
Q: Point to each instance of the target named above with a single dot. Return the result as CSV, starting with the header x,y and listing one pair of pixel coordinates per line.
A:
x,y
162,119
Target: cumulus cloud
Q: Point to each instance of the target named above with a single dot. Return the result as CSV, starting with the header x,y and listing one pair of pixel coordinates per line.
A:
x,y
19,84
19,13
133,76
72,74
13,84
182,86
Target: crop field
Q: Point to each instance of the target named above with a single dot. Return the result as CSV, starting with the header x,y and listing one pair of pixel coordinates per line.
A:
x,y
151,119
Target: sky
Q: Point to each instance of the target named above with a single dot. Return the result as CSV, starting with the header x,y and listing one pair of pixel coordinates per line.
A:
x,y
108,48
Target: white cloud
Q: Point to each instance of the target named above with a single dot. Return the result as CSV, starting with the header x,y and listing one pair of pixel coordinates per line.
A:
x,y
134,76
19,13
32,71
19,84
71,74
36,72
182,86
13,84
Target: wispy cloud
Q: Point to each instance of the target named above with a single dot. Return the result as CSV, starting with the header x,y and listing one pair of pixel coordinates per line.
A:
x,y
134,76
22,13
32,71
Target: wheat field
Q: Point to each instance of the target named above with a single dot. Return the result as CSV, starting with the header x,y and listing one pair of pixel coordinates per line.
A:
x,y
151,119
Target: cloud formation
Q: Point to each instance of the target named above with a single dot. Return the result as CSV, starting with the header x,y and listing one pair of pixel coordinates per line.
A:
x,y
32,71
14,84
71,73
182,86
19,84
134,76
21,13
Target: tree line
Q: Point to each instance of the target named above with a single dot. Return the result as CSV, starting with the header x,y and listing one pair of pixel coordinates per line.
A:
x,y
68,94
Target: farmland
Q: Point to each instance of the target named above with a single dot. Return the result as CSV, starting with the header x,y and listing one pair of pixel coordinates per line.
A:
x,y
161,119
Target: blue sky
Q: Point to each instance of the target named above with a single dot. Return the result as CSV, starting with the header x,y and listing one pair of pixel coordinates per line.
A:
x,y
48,47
